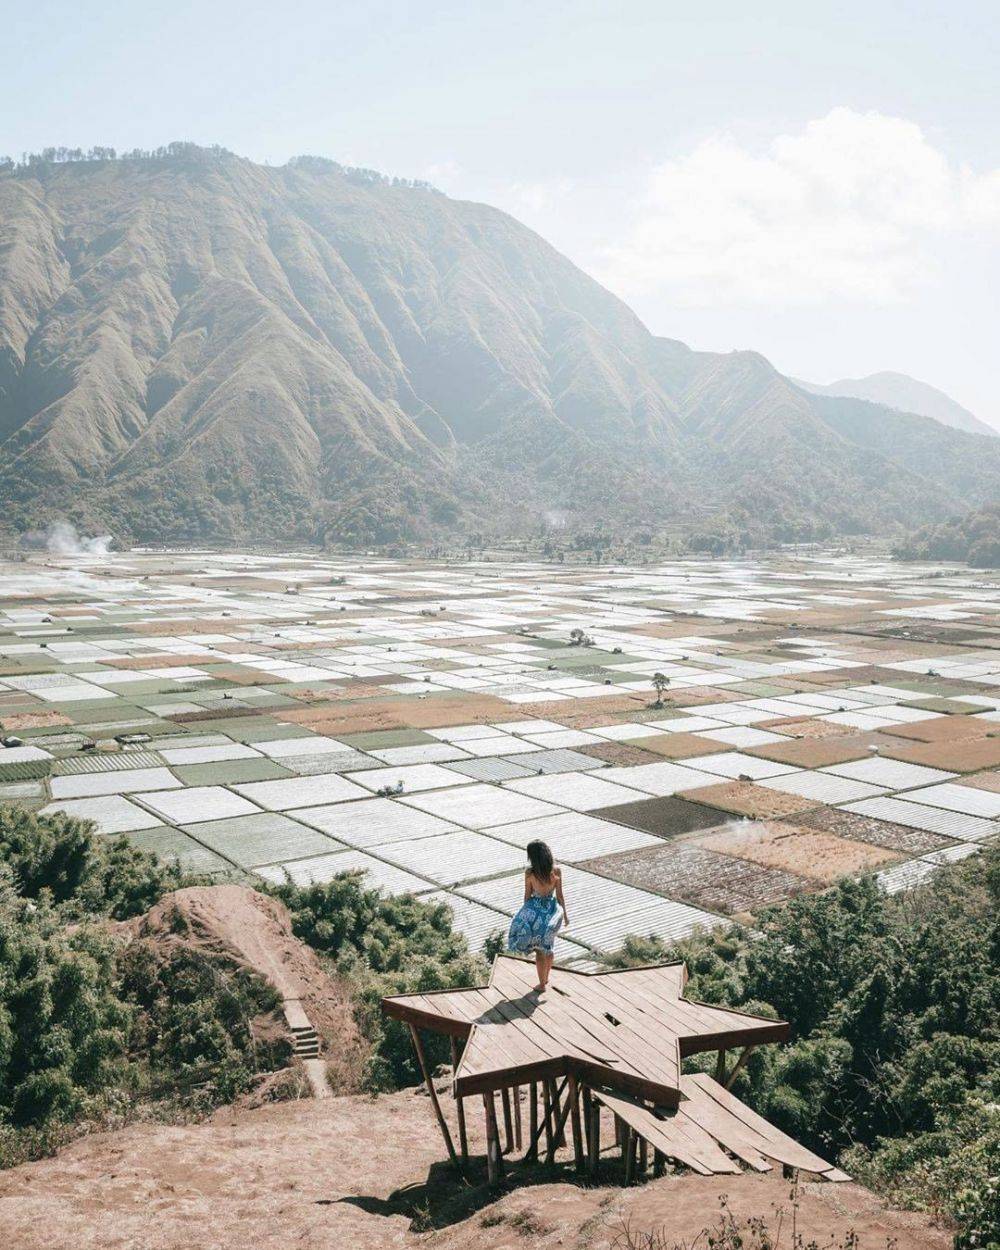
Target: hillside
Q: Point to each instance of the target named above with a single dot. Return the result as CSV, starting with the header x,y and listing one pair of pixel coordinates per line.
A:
x,y
906,394
192,345
357,1172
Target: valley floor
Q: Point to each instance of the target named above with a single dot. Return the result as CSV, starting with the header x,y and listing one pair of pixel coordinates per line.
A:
x,y
303,716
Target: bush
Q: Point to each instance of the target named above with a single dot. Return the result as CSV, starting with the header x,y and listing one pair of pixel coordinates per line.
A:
x,y
63,1026
93,1026
194,1015
82,872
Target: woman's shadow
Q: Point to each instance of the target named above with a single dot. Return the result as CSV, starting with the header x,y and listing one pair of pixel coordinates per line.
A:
x,y
447,1197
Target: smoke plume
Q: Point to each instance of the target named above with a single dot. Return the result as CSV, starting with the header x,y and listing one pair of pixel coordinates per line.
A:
x,y
62,539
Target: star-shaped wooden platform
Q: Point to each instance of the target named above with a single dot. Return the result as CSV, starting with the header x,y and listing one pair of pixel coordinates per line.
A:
x,y
626,1029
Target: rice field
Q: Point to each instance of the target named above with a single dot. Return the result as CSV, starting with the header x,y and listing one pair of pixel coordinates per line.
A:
x,y
262,716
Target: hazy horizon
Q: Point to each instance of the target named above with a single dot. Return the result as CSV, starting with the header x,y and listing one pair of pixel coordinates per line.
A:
x,y
823,188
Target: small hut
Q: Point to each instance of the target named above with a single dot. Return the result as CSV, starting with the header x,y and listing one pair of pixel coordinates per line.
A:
x,y
610,1042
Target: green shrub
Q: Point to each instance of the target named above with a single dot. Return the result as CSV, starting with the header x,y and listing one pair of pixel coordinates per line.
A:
x,y
193,1029
94,1026
81,871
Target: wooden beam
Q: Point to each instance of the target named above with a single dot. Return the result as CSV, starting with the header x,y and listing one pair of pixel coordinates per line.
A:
x,y
418,1047
594,1146
720,1067
659,1163
628,1146
517,1117
738,1066
573,1095
494,1159
463,1136
547,1126
587,1125
508,1120
558,1134
557,1111
533,1120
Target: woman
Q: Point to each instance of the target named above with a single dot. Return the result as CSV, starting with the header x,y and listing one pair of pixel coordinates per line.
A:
x,y
542,914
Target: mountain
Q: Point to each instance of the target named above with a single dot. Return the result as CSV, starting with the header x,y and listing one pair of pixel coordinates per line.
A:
x,y
195,346
897,390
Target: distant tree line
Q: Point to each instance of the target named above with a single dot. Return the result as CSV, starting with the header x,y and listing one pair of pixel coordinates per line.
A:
x,y
33,161
36,162
353,173
972,539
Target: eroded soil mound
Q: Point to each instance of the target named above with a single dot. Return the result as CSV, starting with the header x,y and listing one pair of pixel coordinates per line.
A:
x,y
255,931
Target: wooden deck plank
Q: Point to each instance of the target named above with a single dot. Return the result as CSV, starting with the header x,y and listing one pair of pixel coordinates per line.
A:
x,y
686,1142
770,1141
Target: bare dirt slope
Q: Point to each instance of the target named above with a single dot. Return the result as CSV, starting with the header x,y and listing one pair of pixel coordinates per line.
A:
x,y
356,1172
256,932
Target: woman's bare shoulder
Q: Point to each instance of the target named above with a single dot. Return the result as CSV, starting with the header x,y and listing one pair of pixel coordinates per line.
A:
x,y
557,872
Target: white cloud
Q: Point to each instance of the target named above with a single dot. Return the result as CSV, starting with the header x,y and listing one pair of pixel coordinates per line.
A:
x,y
853,206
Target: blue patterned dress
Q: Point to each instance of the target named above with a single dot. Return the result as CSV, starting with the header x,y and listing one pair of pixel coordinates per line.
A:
x,y
535,926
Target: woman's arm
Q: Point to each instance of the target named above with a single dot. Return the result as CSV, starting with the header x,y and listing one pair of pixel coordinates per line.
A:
x,y
559,897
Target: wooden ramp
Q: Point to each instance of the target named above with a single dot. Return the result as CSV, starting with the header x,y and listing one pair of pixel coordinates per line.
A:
x,y
709,1127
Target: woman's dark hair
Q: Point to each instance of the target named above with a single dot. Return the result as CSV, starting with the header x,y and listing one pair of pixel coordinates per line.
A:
x,y
540,859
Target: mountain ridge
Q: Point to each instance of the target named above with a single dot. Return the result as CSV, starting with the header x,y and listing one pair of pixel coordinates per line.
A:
x,y
905,394
192,345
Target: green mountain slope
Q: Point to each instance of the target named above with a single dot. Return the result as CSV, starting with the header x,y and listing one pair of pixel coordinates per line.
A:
x,y
906,394
192,345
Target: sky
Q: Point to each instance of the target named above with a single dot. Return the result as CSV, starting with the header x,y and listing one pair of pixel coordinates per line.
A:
x,y
817,181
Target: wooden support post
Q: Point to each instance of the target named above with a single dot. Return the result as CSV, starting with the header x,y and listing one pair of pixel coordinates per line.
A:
x,y
559,1127
551,1126
517,1117
720,1067
573,1094
659,1163
618,1132
463,1136
494,1159
533,1120
418,1047
588,1127
508,1121
738,1066
628,1135
557,1112
594,1152
643,1156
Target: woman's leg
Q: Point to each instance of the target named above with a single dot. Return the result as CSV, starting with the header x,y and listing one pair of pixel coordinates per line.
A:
x,y
541,970
545,968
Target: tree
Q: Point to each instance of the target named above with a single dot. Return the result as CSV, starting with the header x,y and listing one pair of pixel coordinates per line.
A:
x,y
660,683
